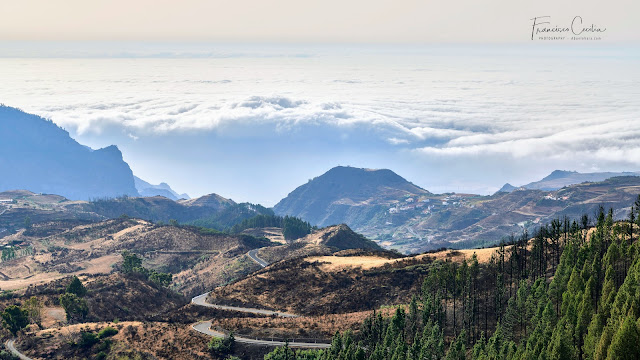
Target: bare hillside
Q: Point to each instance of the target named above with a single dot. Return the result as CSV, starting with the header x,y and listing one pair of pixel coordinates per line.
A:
x,y
199,260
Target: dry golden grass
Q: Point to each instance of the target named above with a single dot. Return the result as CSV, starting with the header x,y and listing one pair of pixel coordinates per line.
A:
x,y
336,263
93,326
25,277
41,278
101,265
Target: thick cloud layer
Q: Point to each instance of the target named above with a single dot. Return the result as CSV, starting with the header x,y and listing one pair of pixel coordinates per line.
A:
x,y
447,119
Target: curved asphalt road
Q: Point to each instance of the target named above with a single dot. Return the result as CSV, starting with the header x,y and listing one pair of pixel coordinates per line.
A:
x,y
201,300
253,254
204,327
11,346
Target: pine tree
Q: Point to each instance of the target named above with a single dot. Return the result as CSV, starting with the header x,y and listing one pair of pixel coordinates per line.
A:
x,y
561,346
76,287
626,341
457,350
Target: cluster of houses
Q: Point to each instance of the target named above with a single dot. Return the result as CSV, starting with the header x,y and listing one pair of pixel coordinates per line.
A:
x,y
556,198
411,203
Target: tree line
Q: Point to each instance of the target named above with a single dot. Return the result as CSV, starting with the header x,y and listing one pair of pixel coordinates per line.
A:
x,y
570,290
292,227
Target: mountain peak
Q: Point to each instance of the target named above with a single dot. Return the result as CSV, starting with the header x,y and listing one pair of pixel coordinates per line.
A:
x,y
210,200
368,177
506,188
558,174
110,151
321,199
340,237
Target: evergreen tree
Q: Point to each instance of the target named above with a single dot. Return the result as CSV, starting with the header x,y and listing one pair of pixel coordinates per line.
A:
x,y
76,287
15,319
75,307
457,350
626,341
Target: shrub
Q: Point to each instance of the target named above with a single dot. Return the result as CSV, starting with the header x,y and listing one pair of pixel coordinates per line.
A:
x,y
5,355
107,332
222,346
88,339
105,346
15,318
162,279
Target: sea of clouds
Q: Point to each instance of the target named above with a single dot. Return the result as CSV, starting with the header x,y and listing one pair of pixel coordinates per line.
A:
x,y
449,119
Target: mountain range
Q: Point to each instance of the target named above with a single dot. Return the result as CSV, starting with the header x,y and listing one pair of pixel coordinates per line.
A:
x,y
397,214
39,156
561,178
378,203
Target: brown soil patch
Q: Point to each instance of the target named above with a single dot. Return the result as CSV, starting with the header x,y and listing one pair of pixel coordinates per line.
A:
x,y
53,316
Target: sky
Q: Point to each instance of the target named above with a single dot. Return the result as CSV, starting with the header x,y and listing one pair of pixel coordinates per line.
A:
x,y
252,99
361,21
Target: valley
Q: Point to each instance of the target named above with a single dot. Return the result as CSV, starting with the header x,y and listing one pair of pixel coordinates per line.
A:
x,y
299,295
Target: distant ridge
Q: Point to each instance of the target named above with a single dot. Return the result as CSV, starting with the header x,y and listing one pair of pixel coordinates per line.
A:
x,y
561,178
40,156
163,189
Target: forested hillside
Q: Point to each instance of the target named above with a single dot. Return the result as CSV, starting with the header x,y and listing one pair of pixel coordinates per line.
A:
x,y
292,227
571,291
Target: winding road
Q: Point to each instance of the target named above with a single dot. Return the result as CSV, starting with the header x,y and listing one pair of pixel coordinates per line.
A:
x,y
204,327
253,254
201,300
11,346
